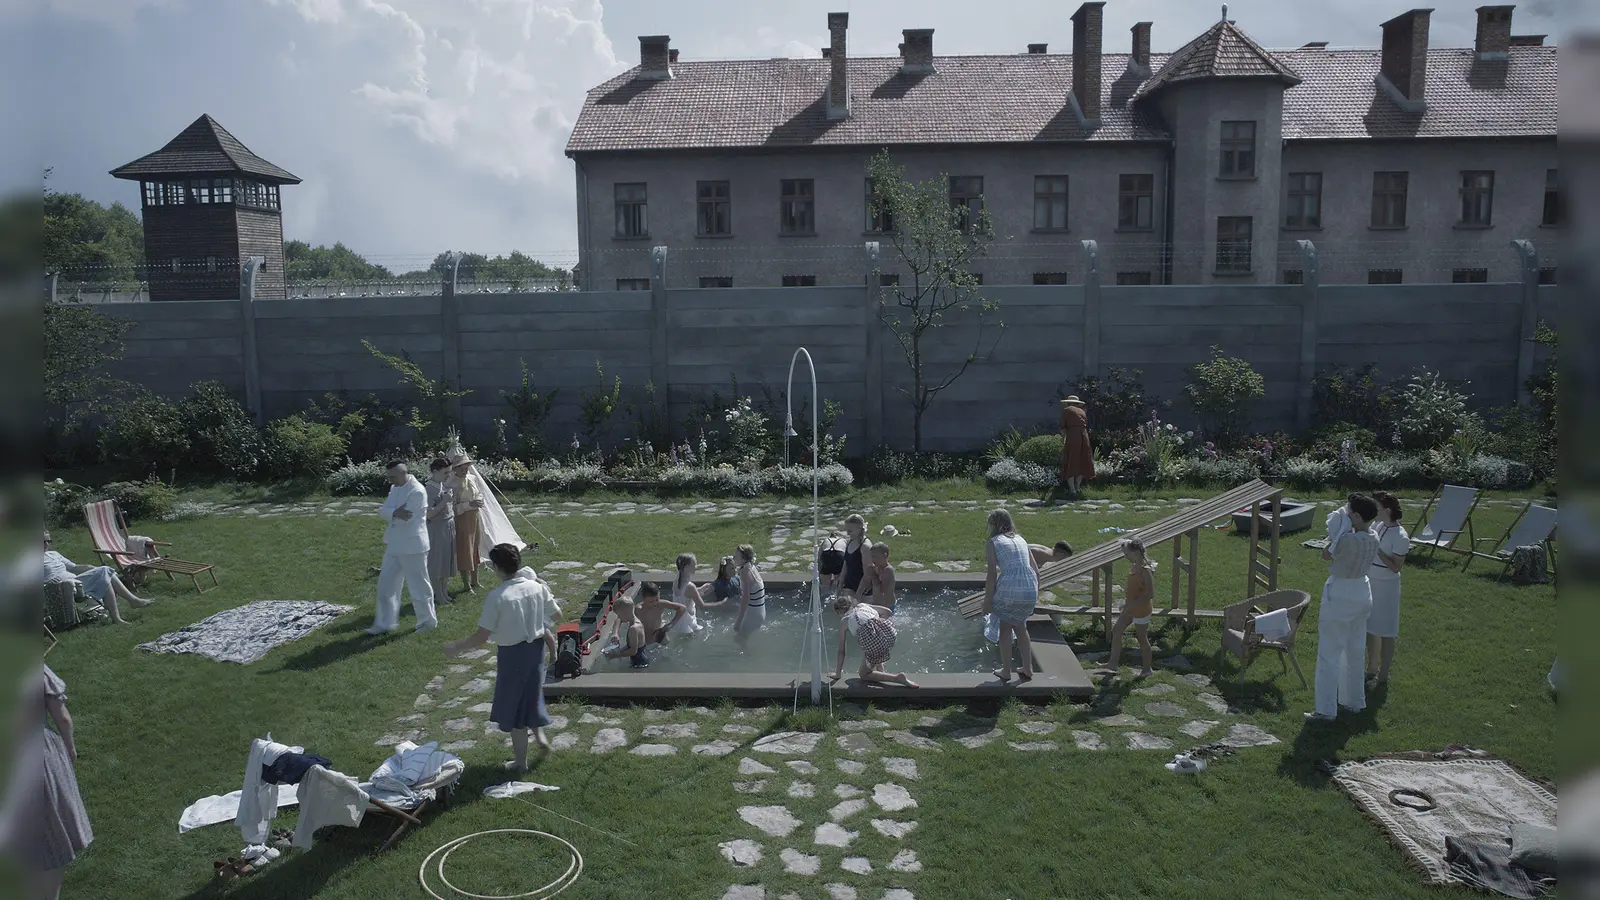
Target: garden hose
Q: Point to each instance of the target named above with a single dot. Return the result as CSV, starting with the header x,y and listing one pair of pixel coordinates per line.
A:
x,y
544,892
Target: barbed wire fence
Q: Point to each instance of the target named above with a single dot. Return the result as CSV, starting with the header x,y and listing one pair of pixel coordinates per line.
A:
x,y
1007,261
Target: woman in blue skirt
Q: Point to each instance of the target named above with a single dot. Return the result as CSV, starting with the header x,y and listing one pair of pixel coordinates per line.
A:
x,y
519,616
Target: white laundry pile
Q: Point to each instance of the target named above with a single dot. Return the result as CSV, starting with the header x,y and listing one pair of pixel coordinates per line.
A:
x,y
246,633
513,788
258,800
328,798
410,775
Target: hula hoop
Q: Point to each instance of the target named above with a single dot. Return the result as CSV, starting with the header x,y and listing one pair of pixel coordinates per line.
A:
x,y
566,880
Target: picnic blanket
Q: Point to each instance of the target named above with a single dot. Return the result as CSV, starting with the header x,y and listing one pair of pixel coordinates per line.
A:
x,y
1421,802
246,633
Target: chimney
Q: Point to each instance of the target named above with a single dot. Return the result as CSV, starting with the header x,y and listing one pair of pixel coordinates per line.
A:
x,y
1086,62
1528,40
1038,48
1139,59
838,65
655,58
827,52
672,56
1494,32
1403,72
916,54
1314,45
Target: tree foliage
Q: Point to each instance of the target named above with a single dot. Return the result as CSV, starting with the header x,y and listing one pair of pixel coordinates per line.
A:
x,y
79,344
937,243
88,242
1222,392
517,269
303,262
430,417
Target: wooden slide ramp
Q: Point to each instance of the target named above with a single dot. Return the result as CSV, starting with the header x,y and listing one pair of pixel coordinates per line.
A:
x,y
1187,521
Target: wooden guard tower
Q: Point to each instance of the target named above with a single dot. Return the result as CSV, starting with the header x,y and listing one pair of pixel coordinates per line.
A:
x,y
209,203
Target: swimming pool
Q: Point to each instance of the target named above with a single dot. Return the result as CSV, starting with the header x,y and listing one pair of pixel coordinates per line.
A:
x,y
945,653
933,637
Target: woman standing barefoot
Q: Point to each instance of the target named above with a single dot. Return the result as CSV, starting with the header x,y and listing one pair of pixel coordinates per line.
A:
x,y
1011,592
876,635
1077,453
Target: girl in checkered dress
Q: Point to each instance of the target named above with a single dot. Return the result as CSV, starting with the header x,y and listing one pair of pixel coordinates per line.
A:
x,y
873,630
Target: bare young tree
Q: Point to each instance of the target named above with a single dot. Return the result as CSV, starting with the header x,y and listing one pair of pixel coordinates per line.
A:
x,y
937,234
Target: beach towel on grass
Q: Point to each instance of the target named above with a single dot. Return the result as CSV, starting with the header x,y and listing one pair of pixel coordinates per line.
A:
x,y
246,633
1469,798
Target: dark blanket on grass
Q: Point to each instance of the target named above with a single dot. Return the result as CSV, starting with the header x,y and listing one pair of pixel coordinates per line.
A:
x,y
246,633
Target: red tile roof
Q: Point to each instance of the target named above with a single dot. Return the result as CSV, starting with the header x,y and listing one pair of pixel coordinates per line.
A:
x,y
1223,51
204,148
1023,99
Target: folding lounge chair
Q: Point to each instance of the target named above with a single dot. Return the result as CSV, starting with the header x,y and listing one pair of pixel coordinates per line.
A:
x,y
1446,517
110,530
407,809
1239,629
1534,525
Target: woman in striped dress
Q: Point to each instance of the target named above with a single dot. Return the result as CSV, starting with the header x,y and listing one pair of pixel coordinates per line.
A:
x,y
44,825
1010,592
875,633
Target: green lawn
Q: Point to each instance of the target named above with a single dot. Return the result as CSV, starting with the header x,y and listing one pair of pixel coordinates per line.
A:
x,y
157,732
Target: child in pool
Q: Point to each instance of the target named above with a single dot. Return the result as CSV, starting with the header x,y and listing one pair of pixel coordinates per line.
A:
x,y
650,610
685,592
878,582
627,623
876,635
1138,603
725,587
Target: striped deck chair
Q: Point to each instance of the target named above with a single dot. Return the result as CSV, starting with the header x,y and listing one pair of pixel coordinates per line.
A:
x,y
1447,516
110,531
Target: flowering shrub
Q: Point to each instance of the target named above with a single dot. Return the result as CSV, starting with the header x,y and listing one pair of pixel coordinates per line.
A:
x,y
1228,471
1222,392
1010,475
1308,472
749,443
1430,412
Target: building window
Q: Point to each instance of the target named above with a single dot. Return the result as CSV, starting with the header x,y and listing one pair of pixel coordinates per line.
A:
x,y
1552,199
1233,244
714,209
251,193
1469,276
1547,275
1050,203
222,190
1477,199
1129,279
633,211
173,194
1238,150
1294,276
1136,202
1389,199
633,284
879,218
799,281
1305,200
716,281
1385,276
890,280
1050,278
966,197
797,211
200,190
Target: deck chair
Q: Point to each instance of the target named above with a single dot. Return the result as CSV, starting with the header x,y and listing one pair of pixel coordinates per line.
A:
x,y
1239,635
407,809
1533,525
1447,516
109,528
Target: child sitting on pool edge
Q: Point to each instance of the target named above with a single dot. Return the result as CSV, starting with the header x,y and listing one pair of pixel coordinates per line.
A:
x,y
876,635
627,620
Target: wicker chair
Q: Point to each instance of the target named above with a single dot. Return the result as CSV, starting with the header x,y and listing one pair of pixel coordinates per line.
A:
x,y
1239,629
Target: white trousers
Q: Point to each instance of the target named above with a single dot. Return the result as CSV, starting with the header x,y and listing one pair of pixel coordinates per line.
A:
x,y
412,570
1342,645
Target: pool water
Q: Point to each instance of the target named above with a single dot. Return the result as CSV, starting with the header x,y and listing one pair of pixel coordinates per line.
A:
x,y
933,637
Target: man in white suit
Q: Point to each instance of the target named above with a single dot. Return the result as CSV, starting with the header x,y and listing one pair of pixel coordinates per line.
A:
x,y
405,556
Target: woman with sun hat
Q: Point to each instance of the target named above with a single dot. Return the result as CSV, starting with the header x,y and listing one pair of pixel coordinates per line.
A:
x,y
1077,454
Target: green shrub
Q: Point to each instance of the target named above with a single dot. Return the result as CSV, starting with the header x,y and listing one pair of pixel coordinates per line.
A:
x,y
889,466
357,479
1005,444
1044,450
223,438
1229,471
1222,392
1344,396
1011,475
138,500
1117,404
1308,473
144,436
1524,437
1329,443
1429,412
297,446
63,503
364,425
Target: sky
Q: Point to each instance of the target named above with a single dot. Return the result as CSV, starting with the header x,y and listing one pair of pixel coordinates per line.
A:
x,y
425,125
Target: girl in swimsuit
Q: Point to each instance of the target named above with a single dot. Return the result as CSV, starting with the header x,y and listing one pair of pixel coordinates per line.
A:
x,y
685,592
855,542
725,588
752,592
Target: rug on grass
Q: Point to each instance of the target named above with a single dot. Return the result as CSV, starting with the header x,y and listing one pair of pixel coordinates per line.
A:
x,y
1420,802
246,633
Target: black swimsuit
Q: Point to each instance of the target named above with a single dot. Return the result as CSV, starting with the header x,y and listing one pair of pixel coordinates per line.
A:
x,y
853,571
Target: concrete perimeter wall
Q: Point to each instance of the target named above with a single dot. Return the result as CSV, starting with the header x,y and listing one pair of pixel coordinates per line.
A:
x,y
692,342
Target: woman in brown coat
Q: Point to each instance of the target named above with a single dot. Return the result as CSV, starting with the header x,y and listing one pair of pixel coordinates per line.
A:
x,y
1077,455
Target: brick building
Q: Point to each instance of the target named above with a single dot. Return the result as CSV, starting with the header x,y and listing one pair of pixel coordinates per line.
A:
x,y
1402,163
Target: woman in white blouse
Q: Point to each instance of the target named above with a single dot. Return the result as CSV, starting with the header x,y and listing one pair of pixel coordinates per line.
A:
x,y
520,617
1383,623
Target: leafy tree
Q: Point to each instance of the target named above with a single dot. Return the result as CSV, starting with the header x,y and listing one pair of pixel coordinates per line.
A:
x,y
79,344
529,410
88,242
303,262
937,243
1222,392
518,269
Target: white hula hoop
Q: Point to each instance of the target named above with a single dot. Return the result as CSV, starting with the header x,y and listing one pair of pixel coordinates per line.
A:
x,y
574,868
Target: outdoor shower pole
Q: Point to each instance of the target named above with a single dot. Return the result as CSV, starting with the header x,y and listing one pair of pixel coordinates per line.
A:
x,y
816,523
